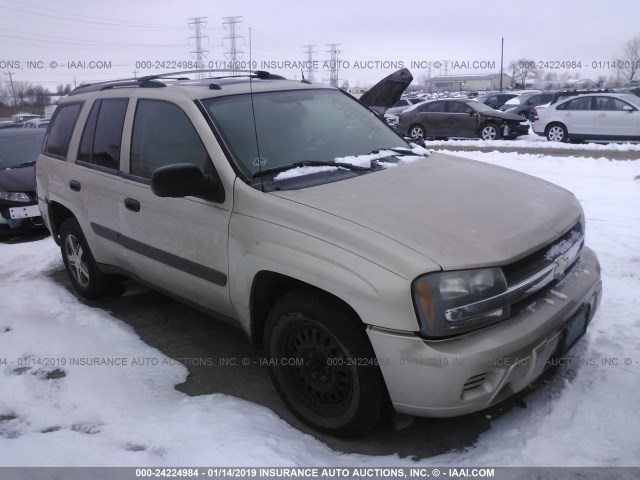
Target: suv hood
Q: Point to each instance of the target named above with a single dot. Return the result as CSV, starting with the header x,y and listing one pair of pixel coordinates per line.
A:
x,y
459,213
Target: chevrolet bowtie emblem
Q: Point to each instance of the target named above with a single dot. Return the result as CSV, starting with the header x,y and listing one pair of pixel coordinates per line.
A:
x,y
561,266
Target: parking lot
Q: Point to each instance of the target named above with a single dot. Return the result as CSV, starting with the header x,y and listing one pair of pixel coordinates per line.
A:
x,y
194,391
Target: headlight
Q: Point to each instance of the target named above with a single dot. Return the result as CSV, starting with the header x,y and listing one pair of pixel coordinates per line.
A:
x,y
448,303
15,197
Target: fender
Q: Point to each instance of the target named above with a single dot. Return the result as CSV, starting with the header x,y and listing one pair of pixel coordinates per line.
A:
x,y
318,263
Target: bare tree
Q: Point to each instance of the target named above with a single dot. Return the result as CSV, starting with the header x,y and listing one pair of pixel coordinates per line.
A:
x,y
524,69
20,89
63,89
38,96
629,64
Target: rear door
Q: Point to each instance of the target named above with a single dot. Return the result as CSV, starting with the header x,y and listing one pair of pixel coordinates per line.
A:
x,y
95,178
177,244
434,118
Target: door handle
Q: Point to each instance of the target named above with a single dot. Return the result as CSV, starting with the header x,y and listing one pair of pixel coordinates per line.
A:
x,y
75,185
132,204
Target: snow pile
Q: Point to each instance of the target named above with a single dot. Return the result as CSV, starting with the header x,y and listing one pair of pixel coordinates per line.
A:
x,y
534,141
117,415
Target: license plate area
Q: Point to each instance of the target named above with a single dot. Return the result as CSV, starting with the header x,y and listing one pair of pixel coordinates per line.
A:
x,y
24,212
574,329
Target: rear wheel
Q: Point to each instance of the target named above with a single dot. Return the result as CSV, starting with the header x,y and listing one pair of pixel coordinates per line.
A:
x,y
557,133
323,366
81,267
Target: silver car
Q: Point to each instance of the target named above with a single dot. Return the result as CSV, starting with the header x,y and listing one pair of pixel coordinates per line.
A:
x,y
373,273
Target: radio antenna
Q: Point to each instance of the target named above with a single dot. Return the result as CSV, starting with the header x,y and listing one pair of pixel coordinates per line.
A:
x,y
253,112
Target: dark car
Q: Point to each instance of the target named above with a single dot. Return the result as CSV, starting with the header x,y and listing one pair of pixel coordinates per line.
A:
x,y
19,211
495,100
525,103
459,118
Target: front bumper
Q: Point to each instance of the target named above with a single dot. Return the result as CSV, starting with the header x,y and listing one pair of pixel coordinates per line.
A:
x,y
515,130
474,371
14,226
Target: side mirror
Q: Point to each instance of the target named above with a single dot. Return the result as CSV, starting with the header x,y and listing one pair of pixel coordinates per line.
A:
x,y
627,108
183,180
470,111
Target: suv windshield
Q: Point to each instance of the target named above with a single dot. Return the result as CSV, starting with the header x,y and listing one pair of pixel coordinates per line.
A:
x,y
296,126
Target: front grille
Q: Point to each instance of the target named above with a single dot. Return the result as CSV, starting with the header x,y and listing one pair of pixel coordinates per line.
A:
x,y
529,265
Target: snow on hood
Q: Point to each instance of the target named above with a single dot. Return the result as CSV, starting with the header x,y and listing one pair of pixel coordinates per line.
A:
x,y
416,153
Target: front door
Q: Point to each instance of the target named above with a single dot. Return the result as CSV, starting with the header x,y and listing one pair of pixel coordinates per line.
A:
x,y
179,244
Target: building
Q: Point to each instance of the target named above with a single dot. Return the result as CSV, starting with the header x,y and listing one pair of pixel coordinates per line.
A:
x,y
470,83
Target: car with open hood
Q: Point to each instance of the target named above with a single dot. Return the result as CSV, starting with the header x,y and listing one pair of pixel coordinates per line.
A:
x,y
373,273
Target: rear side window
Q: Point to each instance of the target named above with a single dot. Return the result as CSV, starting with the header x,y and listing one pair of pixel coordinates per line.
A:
x,y
164,135
457,107
59,135
102,136
433,107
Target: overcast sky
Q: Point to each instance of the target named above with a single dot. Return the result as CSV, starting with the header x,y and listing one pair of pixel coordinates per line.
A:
x,y
123,32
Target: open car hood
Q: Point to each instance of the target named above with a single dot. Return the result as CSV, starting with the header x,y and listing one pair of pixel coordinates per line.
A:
x,y
387,92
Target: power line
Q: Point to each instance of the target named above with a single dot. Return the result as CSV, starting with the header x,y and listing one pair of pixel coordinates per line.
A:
x,y
197,24
82,18
233,54
310,69
334,64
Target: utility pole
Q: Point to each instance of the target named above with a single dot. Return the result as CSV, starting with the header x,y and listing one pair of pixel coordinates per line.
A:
x,y
233,54
334,64
135,73
197,24
13,92
310,69
501,60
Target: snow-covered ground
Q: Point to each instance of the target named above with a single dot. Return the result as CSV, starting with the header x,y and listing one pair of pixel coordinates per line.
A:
x,y
535,141
64,415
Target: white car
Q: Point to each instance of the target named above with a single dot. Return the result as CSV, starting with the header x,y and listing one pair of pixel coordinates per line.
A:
x,y
600,116
36,123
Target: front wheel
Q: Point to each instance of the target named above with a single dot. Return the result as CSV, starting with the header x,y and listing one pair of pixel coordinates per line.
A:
x,y
82,269
417,132
557,133
490,132
323,366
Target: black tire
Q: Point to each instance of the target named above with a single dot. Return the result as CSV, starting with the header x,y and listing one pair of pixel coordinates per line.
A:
x,y
556,132
490,131
417,131
338,388
81,267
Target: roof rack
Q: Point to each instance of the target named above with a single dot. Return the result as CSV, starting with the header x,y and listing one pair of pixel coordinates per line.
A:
x,y
150,81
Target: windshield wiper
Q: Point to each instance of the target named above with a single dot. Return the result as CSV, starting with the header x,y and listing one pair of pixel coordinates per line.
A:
x,y
309,163
401,150
28,164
